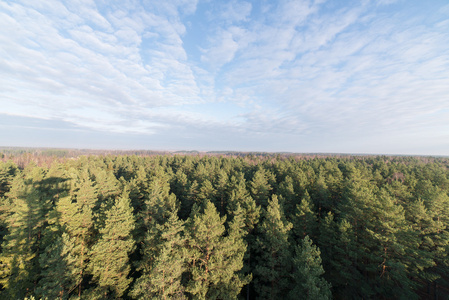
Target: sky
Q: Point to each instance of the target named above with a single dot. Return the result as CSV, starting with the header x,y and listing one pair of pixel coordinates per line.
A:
x,y
277,76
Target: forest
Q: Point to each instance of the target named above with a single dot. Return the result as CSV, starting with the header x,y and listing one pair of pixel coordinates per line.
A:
x,y
178,226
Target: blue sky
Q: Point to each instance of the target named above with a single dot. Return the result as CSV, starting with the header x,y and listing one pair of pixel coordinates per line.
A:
x,y
299,76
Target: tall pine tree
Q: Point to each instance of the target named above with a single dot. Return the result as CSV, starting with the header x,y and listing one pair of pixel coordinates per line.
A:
x,y
19,260
271,273
77,219
308,282
215,258
164,263
109,261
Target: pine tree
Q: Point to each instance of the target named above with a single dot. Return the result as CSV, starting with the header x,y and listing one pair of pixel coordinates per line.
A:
x,y
260,188
379,234
305,219
207,192
107,185
242,205
221,185
107,191
419,256
164,262
273,256
138,187
77,220
287,195
355,207
159,202
237,232
388,230
239,196
432,228
109,262
7,172
321,195
180,188
56,282
214,258
308,271
19,269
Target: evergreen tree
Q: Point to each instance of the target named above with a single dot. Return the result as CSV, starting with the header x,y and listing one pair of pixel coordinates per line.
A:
x,y
432,228
19,266
236,247
419,255
207,192
214,258
180,187
165,262
321,195
239,196
242,205
7,172
273,266
159,202
107,191
77,219
56,282
287,195
388,231
381,225
305,219
347,277
307,274
339,254
358,198
221,185
260,188
192,199
138,187
107,186
109,262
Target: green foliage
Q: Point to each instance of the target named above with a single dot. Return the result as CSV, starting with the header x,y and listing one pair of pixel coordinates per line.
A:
x,y
305,219
77,220
260,188
164,263
208,227
20,249
273,255
307,274
239,197
159,201
56,282
214,257
109,262
7,172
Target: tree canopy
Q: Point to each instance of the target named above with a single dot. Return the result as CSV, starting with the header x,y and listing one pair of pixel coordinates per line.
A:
x,y
224,227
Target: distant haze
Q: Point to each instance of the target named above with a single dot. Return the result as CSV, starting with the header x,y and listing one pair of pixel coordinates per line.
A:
x,y
299,76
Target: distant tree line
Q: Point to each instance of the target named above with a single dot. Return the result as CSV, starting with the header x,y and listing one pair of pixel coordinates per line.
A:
x,y
215,227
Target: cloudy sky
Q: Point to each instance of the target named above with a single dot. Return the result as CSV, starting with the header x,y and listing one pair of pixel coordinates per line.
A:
x,y
299,76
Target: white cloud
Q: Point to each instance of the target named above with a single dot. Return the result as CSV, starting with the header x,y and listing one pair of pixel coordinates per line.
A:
x,y
312,70
223,50
234,11
54,64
